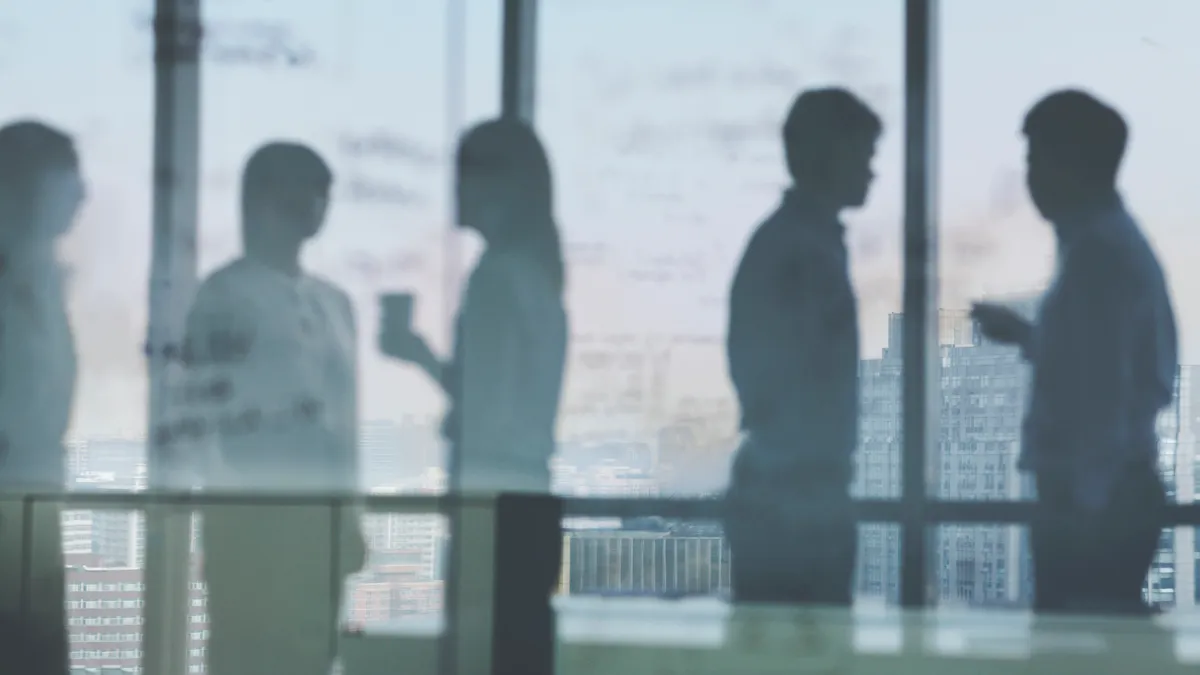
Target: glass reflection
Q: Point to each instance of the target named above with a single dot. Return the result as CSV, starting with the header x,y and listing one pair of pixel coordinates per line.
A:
x,y
997,246
793,357
271,352
41,191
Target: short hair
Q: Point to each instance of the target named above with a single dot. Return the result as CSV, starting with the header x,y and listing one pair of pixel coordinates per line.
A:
x,y
821,118
1079,130
280,167
29,149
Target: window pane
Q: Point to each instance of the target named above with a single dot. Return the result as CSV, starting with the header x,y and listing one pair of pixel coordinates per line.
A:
x,y
82,68
664,122
992,566
106,254
379,92
995,244
369,85
982,566
678,559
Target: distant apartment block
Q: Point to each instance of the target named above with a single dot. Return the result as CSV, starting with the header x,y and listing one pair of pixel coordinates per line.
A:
x,y
105,618
631,562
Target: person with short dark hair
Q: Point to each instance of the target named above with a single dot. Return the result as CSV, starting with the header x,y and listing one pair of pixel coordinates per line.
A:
x,y
1104,357
271,354
41,191
793,358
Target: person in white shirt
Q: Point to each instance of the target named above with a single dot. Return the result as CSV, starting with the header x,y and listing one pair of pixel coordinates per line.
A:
x,y
1104,357
505,377
272,406
41,191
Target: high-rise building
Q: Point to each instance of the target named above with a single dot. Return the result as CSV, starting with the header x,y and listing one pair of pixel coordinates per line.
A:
x,y
117,456
984,391
105,618
1173,576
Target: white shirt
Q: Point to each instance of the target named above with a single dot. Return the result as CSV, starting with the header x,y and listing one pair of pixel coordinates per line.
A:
x,y
272,383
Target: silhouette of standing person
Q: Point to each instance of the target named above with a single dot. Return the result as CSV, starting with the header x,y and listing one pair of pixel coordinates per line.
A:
x,y
41,191
271,352
505,377
793,358
1103,352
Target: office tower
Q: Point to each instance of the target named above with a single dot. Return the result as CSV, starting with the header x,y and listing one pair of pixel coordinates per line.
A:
x,y
984,394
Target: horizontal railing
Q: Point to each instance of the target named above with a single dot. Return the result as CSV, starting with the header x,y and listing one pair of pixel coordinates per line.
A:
x,y
930,511
490,561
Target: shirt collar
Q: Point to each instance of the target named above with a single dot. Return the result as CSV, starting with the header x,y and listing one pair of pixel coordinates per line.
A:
x,y
1078,222
800,205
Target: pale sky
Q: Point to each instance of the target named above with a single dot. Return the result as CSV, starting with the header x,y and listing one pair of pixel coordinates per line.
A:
x,y
661,117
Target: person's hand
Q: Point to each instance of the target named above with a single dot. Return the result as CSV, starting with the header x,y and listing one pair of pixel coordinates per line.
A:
x,y
1001,324
399,342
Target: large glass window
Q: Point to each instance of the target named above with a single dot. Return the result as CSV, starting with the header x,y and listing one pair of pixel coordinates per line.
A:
x,y
664,122
380,90
371,87
100,55
995,64
83,68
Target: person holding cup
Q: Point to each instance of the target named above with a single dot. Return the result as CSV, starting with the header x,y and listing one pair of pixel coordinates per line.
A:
x,y
505,376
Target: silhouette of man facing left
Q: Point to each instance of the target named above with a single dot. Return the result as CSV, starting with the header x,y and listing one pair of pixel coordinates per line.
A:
x,y
41,191
793,358
1104,358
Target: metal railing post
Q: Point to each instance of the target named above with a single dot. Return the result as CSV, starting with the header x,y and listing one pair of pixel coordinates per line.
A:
x,y
177,40
921,375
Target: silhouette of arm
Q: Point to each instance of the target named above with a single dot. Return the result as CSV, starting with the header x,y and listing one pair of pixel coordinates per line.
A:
x,y
1084,354
441,372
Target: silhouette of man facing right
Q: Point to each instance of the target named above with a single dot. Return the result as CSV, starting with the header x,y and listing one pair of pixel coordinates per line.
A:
x,y
1104,359
41,191
793,358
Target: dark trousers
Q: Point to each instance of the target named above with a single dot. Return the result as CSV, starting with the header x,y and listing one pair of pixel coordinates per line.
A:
x,y
33,616
527,566
1095,560
793,539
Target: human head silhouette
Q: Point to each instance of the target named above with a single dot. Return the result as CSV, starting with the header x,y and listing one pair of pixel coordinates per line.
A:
x,y
504,189
41,188
1075,144
285,194
829,140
